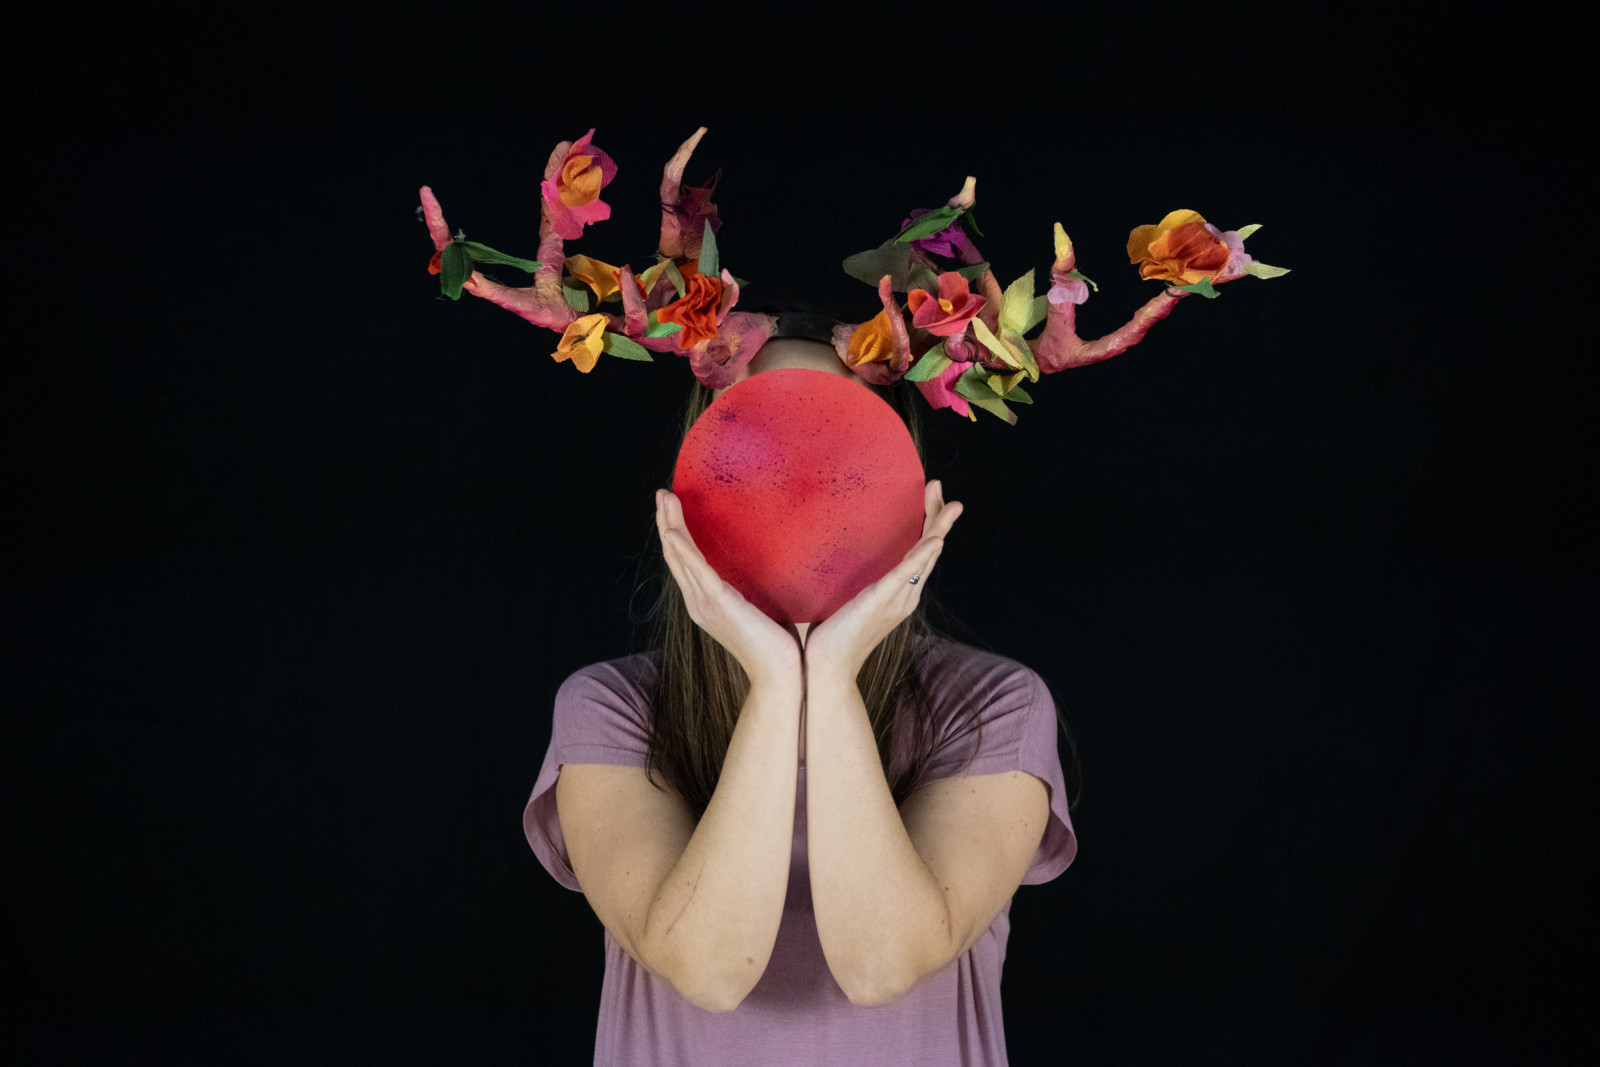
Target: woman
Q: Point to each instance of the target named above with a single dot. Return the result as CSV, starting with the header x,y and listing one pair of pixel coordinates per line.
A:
x,y
862,920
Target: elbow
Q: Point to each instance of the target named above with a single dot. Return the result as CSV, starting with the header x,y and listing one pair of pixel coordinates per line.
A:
x,y
719,998
874,994
721,1001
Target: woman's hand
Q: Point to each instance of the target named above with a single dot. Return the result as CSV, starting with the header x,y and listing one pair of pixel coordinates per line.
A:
x,y
842,642
765,649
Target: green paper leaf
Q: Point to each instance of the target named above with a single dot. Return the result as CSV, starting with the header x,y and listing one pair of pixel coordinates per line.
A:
x,y
1246,231
1025,351
973,387
485,254
709,265
931,223
973,272
676,277
1076,273
1019,394
995,407
455,268
740,282
1200,288
973,383
932,364
1261,270
970,222
993,344
888,258
660,329
922,278
1037,312
576,296
1016,304
624,347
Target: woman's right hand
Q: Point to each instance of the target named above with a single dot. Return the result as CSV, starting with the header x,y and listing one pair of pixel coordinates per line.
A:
x,y
767,650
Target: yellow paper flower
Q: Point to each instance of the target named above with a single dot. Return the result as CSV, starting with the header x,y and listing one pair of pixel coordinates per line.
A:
x,y
582,342
597,275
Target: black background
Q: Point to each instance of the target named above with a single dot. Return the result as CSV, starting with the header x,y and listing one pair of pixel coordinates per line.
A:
x,y
302,551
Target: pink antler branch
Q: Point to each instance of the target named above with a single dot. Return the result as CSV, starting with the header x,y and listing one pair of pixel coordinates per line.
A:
x,y
1059,346
540,303
988,285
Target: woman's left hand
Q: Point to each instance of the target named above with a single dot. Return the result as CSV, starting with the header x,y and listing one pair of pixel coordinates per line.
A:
x,y
842,642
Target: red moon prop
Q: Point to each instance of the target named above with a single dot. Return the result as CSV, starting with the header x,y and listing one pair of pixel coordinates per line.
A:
x,y
800,488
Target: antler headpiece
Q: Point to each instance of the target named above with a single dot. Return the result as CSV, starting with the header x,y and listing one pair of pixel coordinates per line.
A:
x,y
962,348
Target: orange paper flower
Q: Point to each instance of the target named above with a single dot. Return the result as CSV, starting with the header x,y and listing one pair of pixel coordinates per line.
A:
x,y
582,342
873,341
1180,250
696,310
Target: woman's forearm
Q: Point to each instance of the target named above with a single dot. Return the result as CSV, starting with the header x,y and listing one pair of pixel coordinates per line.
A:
x,y
715,919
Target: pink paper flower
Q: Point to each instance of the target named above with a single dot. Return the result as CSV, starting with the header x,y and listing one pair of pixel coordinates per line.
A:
x,y
1073,290
1236,255
572,193
939,392
947,314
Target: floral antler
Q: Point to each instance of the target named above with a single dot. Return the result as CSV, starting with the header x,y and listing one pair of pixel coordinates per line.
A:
x,y
1174,250
690,316
987,368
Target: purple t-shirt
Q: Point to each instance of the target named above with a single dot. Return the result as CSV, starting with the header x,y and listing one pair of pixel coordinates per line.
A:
x,y
797,1014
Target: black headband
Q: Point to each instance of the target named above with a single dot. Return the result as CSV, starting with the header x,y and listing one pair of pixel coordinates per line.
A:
x,y
806,325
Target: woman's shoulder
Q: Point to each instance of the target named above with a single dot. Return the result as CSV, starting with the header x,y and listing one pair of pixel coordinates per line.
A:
x,y
636,669
951,661
623,680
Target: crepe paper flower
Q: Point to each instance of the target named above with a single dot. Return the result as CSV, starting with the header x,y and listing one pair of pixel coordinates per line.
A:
x,y
872,342
879,350
602,277
1073,290
697,310
1181,249
947,314
1237,259
940,392
572,194
582,342
950,242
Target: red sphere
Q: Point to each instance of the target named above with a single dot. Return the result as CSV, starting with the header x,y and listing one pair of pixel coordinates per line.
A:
x,y
800,488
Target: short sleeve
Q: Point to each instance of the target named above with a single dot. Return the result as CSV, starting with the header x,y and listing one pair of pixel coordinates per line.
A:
x,y
1019,728
600,716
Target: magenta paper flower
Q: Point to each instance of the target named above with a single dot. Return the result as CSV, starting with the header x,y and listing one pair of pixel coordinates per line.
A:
x,y
572,193
940,393
950,241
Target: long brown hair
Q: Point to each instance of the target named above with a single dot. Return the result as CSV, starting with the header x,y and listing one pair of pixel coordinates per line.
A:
x,y
700,687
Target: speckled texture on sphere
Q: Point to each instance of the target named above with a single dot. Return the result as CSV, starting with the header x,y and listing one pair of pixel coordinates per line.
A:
x,y
801,488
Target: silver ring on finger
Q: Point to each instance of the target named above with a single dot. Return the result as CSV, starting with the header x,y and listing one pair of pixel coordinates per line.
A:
x,y
914,578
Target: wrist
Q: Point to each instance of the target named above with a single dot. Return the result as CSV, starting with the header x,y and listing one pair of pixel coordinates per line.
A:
x,y
780,675
824,673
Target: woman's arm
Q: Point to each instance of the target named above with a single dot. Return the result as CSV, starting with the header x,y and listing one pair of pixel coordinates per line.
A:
x,y
717,913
